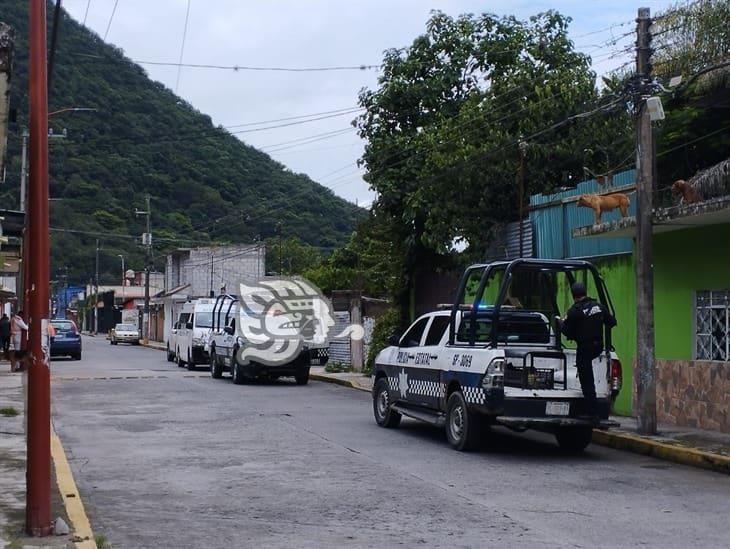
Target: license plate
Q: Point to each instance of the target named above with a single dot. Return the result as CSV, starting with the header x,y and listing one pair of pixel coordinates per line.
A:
x,y
557,408
315,361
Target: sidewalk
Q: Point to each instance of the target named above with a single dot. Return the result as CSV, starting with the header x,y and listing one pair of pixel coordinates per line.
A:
x,y
695,447
12,470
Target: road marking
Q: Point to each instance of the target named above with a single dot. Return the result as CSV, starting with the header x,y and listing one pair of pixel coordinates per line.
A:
x,y
70,496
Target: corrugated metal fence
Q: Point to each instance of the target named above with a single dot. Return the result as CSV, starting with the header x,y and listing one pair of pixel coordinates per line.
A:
x,y
553,218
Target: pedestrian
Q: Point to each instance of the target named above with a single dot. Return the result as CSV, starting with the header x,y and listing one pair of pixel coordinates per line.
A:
x,y
5,335
17,354
584,323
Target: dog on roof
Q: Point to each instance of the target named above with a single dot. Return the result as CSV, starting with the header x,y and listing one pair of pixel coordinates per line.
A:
x,y
600,203
687,193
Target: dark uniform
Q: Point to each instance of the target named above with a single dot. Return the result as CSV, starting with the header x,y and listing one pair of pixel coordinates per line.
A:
x,y
584,324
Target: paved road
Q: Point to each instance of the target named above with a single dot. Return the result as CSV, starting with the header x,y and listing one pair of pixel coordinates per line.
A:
x,y
181,461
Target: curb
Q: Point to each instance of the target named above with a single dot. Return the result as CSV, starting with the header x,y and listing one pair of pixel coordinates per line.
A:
x,y
337,381
663,450
620,440
83,534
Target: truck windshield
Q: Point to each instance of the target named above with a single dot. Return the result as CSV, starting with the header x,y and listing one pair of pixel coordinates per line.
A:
x,y
204,320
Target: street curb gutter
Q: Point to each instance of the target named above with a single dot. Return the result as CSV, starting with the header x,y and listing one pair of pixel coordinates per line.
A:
x,y
663,450
337,381
71,497
620,441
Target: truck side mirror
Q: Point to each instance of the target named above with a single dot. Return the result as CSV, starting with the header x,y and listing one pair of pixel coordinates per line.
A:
x,y
228,330
189,325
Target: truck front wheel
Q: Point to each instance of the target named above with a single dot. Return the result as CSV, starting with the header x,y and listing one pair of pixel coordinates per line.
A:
x,y
385,416
574,439
462,425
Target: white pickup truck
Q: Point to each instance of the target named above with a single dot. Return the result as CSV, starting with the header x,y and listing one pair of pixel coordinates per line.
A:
x,y
225,342
496,357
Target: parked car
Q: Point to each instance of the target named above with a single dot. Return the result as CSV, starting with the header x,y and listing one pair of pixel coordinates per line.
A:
x,y
67,340
224,344
124,333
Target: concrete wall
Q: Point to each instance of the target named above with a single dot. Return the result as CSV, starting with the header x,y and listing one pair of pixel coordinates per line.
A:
x,y
230,265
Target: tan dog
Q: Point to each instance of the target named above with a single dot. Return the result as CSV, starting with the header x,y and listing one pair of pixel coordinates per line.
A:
x,y
600,203
686,191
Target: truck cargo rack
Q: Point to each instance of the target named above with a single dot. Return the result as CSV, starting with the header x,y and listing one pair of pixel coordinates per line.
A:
x,y
529,377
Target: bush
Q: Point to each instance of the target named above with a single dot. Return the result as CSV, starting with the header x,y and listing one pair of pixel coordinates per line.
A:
x,y
385,326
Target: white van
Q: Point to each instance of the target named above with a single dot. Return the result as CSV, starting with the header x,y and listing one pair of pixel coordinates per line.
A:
x,y
193,330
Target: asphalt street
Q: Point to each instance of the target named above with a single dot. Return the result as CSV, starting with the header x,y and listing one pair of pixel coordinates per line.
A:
x,y
168,458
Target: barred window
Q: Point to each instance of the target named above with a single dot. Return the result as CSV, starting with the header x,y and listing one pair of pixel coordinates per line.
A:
x,y
712,321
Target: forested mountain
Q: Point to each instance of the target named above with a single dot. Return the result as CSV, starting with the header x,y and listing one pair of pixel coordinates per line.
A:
x,y
204,183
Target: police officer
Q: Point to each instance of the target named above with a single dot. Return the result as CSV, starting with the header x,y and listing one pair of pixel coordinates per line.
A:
x,y
584,324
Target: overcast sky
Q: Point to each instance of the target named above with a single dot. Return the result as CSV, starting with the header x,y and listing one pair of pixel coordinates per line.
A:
x,y
308,33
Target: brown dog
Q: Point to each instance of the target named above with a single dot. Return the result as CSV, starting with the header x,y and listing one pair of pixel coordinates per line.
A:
x,y
600,203
686,191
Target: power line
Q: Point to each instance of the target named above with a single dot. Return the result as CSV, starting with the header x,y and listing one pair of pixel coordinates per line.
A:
x,y
237,68
334,112
305,140
109,25
182,46
86,13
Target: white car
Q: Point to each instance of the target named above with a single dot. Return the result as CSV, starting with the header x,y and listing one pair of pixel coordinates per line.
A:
x,y
124,333
495,358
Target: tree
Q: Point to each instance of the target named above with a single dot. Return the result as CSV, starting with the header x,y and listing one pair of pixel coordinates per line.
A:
x,y
444,124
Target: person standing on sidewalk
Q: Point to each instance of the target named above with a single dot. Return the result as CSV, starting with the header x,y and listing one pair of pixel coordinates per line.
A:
x,y
584,323
4,335
17,355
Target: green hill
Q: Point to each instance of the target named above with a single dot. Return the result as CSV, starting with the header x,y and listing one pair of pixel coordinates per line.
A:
x,y
205,184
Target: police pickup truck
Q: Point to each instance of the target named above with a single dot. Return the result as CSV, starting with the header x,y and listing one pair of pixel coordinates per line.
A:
x,y
496,358
224,343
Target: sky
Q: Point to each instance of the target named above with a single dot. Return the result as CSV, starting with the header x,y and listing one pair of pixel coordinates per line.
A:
x,y
310,33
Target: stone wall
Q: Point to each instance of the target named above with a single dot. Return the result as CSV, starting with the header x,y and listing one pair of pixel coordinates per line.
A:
x,y
694,394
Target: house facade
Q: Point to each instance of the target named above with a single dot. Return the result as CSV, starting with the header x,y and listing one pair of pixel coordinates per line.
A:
x,y
191,273
691,293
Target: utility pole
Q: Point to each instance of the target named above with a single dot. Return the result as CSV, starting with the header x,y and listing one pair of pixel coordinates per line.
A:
x,y
645,361
147,241
521,195
281,262
7,44
23,171
212,293
96,290
38,473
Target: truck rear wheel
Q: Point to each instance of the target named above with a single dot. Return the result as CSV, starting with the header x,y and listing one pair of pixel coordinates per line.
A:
x,y
385,416
574,439
302,377
462,426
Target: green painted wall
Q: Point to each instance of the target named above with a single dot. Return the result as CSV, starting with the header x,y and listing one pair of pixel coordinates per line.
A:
x,y
686,261
618,272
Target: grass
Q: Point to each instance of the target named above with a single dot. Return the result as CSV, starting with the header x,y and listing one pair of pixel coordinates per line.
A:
x,y
101,542
9,411
337,367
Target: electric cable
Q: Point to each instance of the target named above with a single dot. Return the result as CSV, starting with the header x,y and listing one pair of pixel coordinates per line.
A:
x,y
109,25
182,46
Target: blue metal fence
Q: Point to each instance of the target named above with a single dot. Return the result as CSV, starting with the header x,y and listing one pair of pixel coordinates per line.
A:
x,y
554,216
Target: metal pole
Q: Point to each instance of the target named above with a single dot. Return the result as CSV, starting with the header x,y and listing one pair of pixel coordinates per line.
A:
x,y
645,360
38,476
23,170
146,337
521,183
212,294
96,290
